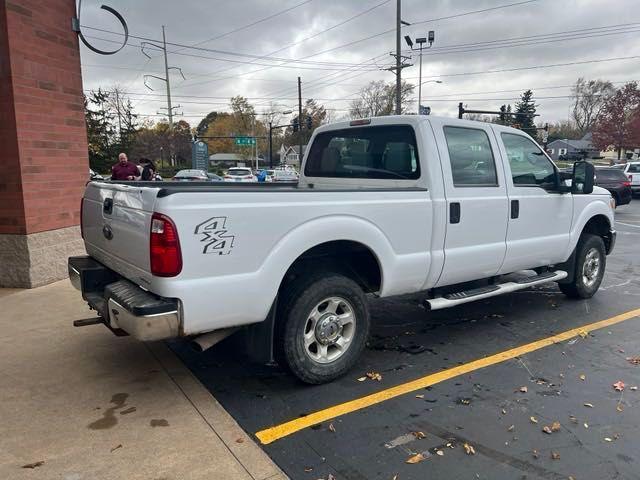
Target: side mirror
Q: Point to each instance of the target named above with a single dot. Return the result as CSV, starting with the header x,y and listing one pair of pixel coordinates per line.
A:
x,y
583,177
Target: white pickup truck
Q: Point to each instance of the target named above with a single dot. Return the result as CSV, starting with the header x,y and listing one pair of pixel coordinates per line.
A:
x,y
459,210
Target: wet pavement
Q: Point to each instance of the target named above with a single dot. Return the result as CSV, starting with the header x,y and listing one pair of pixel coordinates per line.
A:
x,y
488,409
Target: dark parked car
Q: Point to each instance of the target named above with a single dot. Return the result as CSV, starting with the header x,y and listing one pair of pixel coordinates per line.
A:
x,y
618,184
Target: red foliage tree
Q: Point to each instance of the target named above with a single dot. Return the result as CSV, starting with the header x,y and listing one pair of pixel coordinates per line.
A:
x,y
618,124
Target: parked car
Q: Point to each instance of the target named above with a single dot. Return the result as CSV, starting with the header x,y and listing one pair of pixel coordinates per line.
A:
x,y
191,175
214,178
285,175
240,174
457,209
632,171
616,181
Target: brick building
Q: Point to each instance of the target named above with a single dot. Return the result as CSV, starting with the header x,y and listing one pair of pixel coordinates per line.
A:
x,y
44,143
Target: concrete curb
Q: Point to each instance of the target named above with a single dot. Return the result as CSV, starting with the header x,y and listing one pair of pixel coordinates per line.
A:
x,y
253,459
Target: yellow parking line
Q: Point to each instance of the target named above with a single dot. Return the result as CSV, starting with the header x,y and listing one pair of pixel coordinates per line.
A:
x,y
280,431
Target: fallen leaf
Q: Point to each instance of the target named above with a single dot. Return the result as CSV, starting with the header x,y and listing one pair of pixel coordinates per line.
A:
x,y
417,458
535,454
469,449
362,379
573,419
419,435
619,407
634,360
555,426
583,334
308,469
618,386
583,377
331,477
607,439
34,464
504,412
439,452
374,376
395,477
533,419
546,429
419,396
464,401
511,428
555,455
590,405
586,425
524,389
116,447
332,428
239,440
633,388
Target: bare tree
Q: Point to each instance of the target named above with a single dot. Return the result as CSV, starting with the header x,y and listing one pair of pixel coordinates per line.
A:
x,y
589,97
378,99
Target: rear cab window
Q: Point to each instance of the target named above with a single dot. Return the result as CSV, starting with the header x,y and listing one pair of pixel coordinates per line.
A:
x,y
373,152
610,175
471,157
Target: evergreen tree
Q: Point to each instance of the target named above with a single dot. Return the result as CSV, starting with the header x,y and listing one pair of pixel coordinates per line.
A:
x,y
526,106
100,130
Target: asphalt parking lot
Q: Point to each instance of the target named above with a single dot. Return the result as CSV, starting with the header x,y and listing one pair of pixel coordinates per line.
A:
x,y
457,398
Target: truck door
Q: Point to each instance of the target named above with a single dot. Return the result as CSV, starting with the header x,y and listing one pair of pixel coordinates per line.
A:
x,y
476,202
540,216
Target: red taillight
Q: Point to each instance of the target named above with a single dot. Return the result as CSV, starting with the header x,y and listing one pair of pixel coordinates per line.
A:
x,y
81,227
165,254
626,184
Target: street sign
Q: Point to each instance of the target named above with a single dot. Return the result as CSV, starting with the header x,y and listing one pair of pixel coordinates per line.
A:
x,y
245,141
200,156
424,110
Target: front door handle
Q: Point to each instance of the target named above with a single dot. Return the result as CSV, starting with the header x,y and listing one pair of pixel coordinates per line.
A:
x,y
454,212
515,208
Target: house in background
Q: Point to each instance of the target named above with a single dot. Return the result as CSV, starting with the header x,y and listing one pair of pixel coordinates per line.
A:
x,y
291,155
572,149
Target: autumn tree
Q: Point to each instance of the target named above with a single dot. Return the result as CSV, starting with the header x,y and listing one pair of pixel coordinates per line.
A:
x,y
379,99
589,98
163,145
617,125
563,129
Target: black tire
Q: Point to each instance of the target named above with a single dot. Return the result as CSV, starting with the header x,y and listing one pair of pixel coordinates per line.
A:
x,y
581,287
297,301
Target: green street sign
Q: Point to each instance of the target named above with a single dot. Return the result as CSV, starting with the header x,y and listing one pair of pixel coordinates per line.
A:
x,y
245,141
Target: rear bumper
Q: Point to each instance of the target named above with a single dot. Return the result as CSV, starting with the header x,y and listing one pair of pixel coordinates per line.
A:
x,y
123,305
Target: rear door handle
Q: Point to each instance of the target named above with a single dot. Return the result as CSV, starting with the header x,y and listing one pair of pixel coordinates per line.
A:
x,y
454,212
515,208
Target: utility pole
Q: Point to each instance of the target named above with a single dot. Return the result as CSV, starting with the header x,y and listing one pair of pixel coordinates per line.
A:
x,y
398,59
300,121
119,116
166,79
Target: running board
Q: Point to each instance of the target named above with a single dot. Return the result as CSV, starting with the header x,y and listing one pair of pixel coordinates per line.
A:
x,y
458,298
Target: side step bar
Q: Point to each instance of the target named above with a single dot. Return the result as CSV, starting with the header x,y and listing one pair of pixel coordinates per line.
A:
x,y
458,298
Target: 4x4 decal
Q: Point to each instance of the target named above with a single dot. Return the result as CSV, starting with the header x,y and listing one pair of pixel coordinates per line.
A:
x,y
215,236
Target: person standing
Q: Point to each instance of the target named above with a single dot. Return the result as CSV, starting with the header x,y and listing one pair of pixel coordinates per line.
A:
x,y
124,169
148,170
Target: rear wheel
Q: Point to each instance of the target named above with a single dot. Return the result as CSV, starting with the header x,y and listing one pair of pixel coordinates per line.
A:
x,y
322,327
591,261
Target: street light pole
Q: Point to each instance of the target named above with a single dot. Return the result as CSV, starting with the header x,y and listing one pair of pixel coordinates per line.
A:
x,y
398,60
420,81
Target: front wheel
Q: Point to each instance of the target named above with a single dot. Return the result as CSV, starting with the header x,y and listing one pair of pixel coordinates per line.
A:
x,y
323,327
591,261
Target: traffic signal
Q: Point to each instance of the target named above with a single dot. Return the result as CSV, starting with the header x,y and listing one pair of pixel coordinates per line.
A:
x,y
309,122
295,124
503,109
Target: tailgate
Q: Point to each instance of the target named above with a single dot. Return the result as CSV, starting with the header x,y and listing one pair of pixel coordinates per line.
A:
x,y
115,220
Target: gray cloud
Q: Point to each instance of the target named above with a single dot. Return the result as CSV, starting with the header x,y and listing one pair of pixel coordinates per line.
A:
x,y
192,21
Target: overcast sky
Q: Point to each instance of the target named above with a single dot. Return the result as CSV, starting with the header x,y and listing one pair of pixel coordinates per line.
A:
x,y
550,28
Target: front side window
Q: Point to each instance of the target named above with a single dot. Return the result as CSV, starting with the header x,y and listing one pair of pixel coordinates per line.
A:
x,y
529,165
381,152
471,157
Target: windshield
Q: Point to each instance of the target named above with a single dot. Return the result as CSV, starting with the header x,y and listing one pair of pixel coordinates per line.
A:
x,y
239,171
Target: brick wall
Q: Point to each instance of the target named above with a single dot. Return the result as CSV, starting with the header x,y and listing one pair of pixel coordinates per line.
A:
x,y
42,131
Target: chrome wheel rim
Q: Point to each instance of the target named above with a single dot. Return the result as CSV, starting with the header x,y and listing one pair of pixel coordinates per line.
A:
x,y
329,330
591,267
